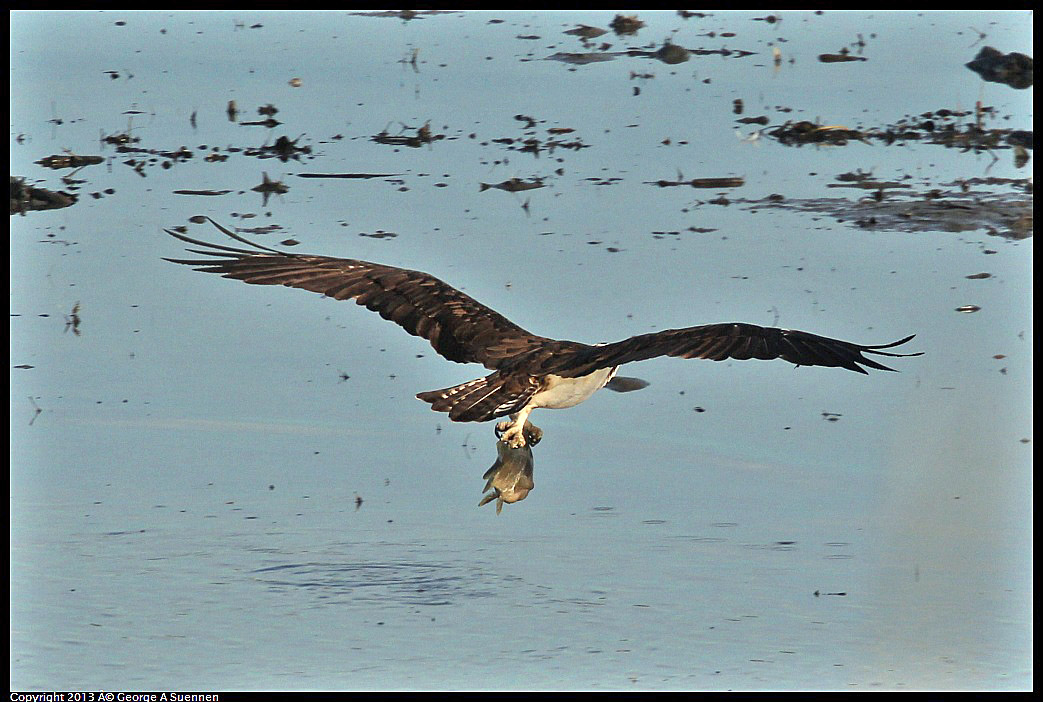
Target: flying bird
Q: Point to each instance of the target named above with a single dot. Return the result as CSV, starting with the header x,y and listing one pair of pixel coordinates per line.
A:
x,y
528,371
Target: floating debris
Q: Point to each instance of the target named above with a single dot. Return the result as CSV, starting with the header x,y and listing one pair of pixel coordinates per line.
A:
x,y
865,181
379,234
120,138
72,320
423,136
25,198
803,132
842,57
931,127
203,192
267,229
672,53
978,276
270,123
69,160
1011,69
734,53
36,408
513,185
349,175
586,32
535,145
269,186
583,59
405,15
284,149
626,24
411,60
730,182
1021,155
968,309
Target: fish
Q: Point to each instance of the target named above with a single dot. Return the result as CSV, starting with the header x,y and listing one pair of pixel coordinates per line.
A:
x,y
510,477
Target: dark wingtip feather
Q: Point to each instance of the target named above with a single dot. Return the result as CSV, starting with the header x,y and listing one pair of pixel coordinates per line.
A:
x,y
876,350
229,233
211,247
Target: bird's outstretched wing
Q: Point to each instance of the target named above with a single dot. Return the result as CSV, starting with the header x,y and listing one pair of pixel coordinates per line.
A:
x,y
459,328
719,342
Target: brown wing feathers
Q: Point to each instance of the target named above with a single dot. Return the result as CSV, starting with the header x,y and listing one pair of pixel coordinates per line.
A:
x,y
458,327
718,342
463,330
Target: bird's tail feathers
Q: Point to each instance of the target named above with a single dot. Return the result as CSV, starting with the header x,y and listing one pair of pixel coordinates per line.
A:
x,y
476,400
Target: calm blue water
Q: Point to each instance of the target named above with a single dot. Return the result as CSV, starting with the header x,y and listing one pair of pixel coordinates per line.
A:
x,y
184,511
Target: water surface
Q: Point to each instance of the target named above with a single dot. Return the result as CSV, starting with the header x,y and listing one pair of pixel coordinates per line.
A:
x,y
185,504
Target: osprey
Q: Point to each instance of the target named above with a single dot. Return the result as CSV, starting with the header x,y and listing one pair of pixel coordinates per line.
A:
x,y
528,371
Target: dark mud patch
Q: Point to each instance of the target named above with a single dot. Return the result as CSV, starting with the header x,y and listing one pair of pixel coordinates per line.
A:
x,y
1011,69
943,127
27,198
1007,215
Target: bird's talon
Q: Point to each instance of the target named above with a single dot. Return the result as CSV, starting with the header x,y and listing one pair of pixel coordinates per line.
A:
x,y
512,436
